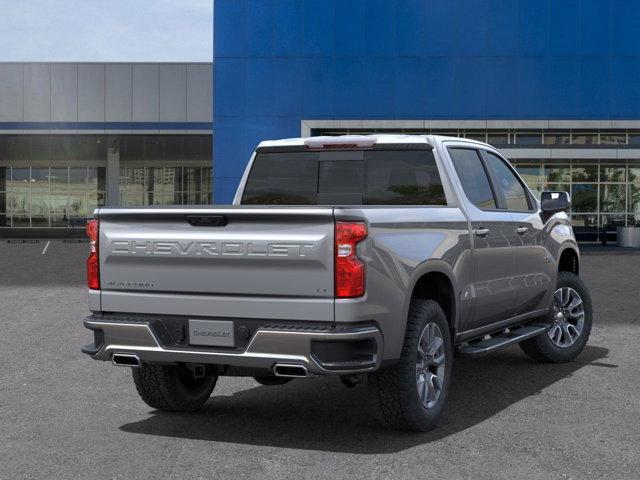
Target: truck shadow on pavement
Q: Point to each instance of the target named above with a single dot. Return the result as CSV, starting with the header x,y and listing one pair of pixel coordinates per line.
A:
x,y
321,414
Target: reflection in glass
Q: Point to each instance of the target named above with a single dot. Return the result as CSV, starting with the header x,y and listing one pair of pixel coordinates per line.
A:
x,y
78,179
613,138
584,198
39,204
40,181
529,138
20,179
59,220
20,221
559,138
479,136
590,221
612,220
584,173
634,198
612,173
557,173
498,138
77,204
612,198
584,138
39,220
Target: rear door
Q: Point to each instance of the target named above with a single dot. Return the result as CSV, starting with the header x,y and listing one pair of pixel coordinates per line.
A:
x,y
535,270
493,240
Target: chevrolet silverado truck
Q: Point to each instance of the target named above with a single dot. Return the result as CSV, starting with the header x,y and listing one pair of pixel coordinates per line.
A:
x,y
376,257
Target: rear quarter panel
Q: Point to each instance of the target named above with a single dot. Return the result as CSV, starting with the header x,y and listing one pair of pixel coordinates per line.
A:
x,y
403,244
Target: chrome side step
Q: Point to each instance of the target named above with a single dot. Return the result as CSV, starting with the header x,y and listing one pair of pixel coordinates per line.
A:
x,y
500,340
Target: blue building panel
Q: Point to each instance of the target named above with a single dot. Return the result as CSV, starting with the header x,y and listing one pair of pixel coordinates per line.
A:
x,y
278,62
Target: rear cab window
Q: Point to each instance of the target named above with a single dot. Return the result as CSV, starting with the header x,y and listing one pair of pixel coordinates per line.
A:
x,y
358,177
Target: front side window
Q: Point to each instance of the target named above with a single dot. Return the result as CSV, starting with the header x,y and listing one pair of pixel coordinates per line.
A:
x,y
473,177
512,189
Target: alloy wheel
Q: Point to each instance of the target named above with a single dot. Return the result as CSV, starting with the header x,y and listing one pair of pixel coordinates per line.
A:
x,y
430,365
568,318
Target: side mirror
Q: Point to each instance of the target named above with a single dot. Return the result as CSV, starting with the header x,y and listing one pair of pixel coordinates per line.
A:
x,y
554,202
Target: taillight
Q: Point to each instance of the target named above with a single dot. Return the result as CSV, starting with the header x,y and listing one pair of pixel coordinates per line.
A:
x,y
93,262
349,269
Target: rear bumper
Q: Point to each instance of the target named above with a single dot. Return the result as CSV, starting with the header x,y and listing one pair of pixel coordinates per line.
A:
x,y
321,349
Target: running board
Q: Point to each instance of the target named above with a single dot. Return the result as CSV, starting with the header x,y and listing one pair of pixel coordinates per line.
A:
x,y
499,341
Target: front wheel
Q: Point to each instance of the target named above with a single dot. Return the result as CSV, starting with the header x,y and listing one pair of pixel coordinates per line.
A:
x,y
571,319
412,394
172,387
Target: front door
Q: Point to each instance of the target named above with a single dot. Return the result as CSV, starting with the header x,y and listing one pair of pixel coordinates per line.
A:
x,y
535,268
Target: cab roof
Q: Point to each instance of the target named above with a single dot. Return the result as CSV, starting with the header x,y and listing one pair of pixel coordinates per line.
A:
x,y
360,141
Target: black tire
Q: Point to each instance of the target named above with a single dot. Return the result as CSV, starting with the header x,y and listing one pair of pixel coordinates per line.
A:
x,y
172,388
542,348
273,380
393,392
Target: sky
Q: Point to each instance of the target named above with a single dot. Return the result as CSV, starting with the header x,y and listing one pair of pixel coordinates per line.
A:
x,y
106,30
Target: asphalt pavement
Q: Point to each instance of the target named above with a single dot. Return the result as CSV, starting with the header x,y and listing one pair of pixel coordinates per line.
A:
x,y
63,415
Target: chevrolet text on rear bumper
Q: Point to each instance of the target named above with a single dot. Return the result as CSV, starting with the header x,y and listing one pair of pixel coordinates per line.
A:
x,y
356,256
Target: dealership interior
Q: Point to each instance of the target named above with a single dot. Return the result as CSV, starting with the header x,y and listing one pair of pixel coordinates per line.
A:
x,y
56,181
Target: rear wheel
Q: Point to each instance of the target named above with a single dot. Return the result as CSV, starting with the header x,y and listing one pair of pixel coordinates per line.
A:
x,y
412,394
571,319
172,387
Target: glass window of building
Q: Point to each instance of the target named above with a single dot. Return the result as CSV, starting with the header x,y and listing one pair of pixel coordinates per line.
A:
x,y
613,173
584,173
633,207
634,139
585,221
616,220
612,197
584,197
557,138
480,135
613,138
556,173
498,138
528,138
56,181
586,138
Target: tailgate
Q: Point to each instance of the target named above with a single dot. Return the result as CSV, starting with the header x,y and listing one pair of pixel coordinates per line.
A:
x,y
219,259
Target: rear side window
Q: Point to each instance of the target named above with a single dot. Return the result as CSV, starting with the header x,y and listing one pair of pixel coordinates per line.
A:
x,y
513,191
474,178
379,177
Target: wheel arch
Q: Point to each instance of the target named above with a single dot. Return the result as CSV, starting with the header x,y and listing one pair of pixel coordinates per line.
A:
x,y
435,281
569,260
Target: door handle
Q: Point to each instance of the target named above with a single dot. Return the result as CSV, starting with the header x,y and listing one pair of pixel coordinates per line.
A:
x,y
522,230
481,232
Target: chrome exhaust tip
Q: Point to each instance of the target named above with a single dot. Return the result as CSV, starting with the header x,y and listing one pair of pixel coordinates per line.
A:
x,y
125,360
290,370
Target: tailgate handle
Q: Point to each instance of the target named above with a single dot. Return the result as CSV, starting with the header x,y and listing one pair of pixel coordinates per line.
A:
x,y
207,220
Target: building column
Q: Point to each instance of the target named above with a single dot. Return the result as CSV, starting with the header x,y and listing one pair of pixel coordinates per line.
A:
x,y
113,177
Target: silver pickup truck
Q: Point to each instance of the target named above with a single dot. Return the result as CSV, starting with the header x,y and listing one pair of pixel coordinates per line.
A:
x,y
354,256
